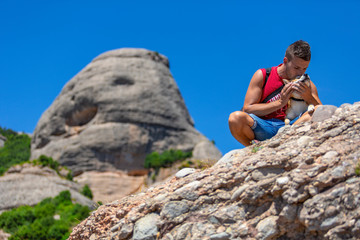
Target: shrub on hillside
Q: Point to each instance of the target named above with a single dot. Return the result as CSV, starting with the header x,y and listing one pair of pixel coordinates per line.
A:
x,y
39,223
46,161
86,191
156,160
7,132
16,149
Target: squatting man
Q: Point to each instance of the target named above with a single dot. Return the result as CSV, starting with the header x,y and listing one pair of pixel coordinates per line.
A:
x,y
267,98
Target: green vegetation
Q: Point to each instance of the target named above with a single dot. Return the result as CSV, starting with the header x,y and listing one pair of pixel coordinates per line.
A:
x,y
16,149
52,218
86,191
357,169
7,132
256,148
45,161
156,160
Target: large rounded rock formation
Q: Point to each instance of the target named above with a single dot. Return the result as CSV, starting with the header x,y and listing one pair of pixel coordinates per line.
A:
x,y
122,106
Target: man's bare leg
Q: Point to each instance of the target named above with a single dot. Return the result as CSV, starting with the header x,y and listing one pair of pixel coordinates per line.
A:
x,y
305,117
240,124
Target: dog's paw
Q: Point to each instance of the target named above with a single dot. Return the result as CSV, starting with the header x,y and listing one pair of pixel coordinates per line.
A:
x,y
311,108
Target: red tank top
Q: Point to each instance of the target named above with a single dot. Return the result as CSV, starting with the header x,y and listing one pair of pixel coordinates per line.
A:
x,y
274,82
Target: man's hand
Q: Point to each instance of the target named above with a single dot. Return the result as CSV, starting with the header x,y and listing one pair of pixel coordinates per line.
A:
x,y
303,90
285,94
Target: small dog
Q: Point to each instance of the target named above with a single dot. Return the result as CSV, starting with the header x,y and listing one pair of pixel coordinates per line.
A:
x,y
296,104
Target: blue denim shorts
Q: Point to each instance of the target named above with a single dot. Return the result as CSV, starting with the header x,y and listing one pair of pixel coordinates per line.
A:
x,y
266,129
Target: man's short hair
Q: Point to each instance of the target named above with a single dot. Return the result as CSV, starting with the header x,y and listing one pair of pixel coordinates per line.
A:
x,y
300,49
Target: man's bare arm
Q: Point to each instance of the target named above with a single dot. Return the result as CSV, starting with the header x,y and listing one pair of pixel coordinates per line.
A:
x,y
253,95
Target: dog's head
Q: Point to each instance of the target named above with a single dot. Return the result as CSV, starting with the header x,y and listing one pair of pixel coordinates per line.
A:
x,y
303,78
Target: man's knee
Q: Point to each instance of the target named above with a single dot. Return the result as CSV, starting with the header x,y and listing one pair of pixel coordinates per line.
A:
x,y
238,117
240,127
235,117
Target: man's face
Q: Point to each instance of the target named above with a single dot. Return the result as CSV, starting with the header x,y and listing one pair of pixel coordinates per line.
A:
x,y
295,67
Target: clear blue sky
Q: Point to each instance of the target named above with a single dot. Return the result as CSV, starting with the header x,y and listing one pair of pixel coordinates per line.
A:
x,y
214,47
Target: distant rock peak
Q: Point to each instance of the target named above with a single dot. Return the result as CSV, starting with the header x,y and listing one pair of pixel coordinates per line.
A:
x,y
122,106
134,53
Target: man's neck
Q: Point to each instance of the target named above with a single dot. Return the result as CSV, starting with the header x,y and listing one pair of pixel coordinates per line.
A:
x,y
281,70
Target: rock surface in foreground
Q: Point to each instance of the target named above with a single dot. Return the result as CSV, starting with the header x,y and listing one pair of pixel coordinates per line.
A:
x,y
301,184
122,106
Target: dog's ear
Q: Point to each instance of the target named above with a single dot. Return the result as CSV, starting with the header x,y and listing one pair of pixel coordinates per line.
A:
x,y
307,77
308,80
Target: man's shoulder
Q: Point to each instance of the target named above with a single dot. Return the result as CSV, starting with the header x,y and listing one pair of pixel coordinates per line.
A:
x,y
266,73
267,70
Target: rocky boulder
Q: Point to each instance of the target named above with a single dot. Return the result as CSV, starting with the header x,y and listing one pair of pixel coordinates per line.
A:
x,y
110,186
28,185
122,106
303,183
4,235
2,140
